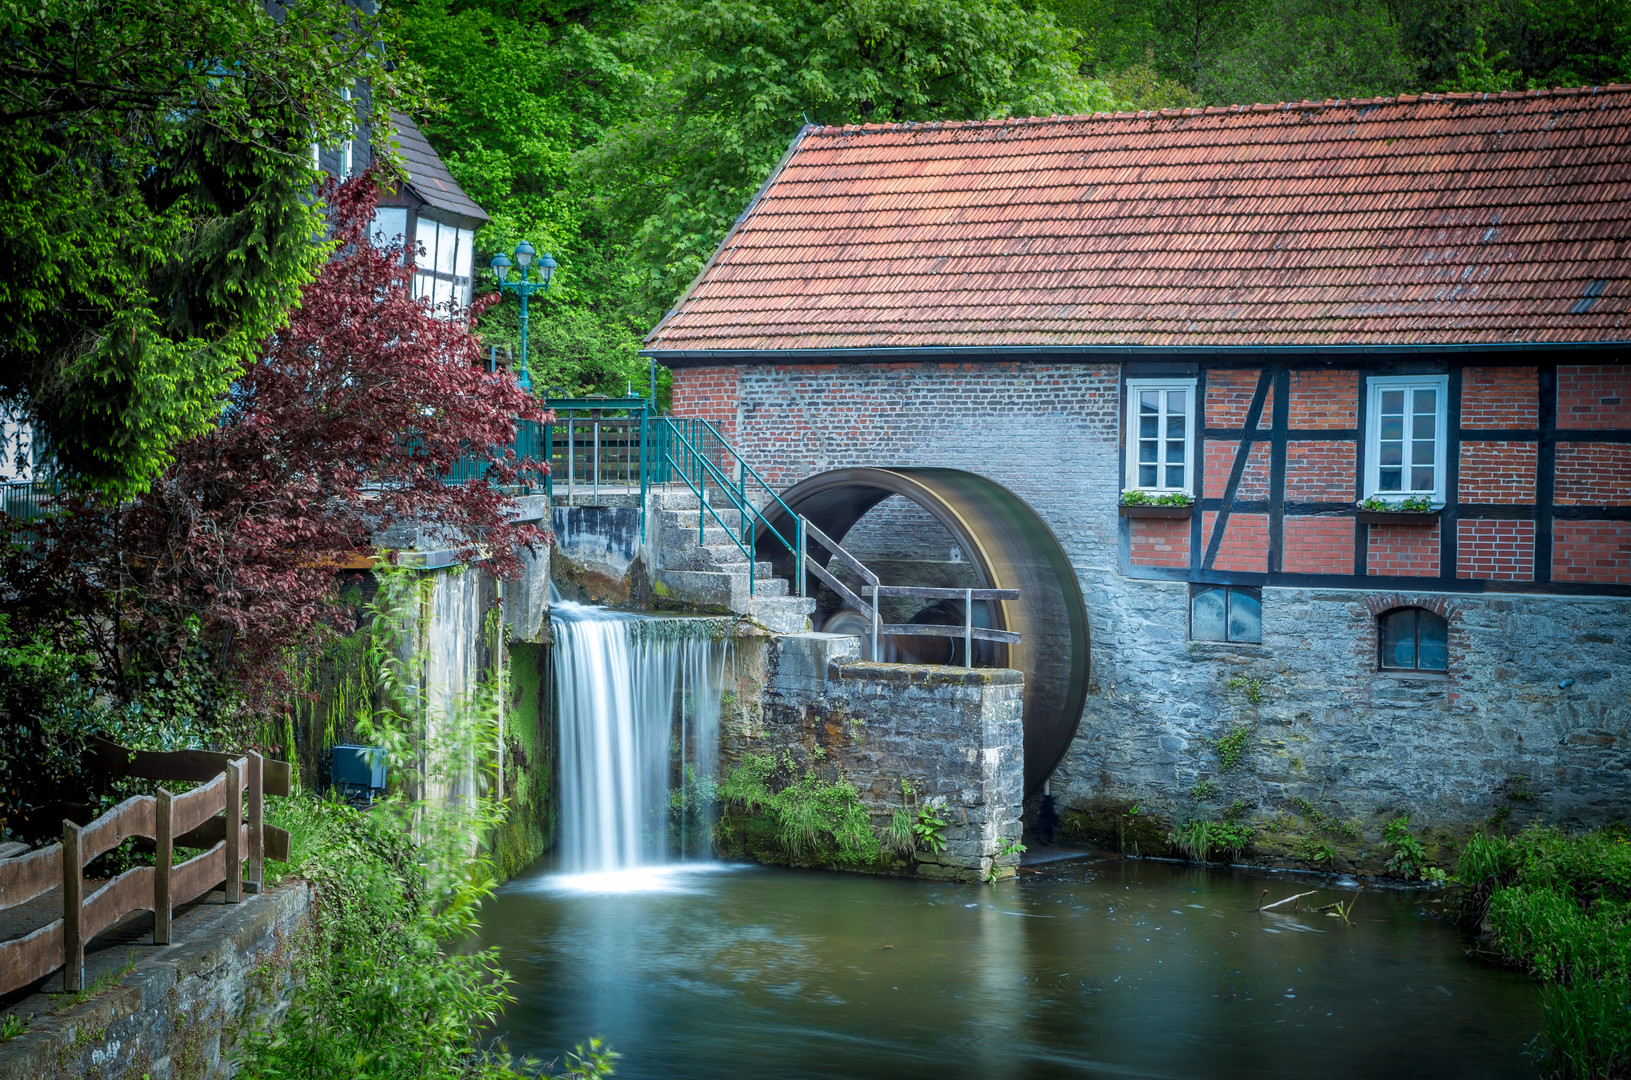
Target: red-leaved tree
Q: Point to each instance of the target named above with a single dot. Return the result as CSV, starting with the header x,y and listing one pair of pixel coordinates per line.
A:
x,y
188,598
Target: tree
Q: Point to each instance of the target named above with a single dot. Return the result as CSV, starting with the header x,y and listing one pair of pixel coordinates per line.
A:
x,y
736,80
158,209
187,598
513,143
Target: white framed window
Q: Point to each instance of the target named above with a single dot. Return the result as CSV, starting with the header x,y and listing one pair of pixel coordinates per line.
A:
x,y
1405,444
1161,435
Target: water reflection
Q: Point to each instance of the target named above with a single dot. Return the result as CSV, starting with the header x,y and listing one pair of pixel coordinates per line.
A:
x,y
1092,967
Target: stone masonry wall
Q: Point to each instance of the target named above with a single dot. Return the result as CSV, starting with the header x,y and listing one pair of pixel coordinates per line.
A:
x,y
1493,738
953,734
175,1013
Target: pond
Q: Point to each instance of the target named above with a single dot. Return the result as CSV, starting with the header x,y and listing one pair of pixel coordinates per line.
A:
x,y
1088,965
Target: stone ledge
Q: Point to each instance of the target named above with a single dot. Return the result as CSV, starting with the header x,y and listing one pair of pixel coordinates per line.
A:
x,y
924,674
131,1028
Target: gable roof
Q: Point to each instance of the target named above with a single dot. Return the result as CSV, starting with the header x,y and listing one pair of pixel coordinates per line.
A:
x,y
427,175
1449,219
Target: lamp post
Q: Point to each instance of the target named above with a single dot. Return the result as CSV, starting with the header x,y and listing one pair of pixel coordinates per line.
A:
x,y
523,287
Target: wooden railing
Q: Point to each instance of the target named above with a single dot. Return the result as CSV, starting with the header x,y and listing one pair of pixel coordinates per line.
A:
x,y
210,816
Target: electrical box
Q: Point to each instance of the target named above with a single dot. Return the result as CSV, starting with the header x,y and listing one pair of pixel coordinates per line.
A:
x,y
359,769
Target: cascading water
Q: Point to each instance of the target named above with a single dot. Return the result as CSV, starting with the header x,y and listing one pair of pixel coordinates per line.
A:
x,y
638,709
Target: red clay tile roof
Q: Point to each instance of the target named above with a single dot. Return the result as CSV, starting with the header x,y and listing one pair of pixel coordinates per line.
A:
x,y
1442,219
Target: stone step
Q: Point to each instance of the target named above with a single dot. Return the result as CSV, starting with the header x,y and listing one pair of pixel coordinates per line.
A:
x,y
784,614
686,520
710,589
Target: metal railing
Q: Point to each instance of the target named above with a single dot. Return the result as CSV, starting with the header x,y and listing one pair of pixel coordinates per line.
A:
x,y
692,450
27,500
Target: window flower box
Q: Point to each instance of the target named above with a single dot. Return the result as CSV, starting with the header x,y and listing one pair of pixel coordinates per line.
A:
x,y
1147,510
1413,511
1146,504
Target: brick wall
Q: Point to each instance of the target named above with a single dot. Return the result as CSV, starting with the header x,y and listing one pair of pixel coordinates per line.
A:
x,y
1403,550
1158,542
1500,398
1320,471
1245,543
1497,472
708,394
1496,550
1048,432
1593,474
1229,397
1594,396
1324,399
1596,551
1319,545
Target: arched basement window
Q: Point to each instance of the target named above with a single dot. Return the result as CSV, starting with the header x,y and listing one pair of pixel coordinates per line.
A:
x,y
1412,639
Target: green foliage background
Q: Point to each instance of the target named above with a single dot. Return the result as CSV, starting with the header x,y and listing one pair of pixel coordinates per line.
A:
x,y
625,137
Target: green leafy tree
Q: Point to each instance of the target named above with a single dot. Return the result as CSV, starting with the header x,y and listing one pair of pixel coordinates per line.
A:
x,y
736,80
1310,50
159,215
525,90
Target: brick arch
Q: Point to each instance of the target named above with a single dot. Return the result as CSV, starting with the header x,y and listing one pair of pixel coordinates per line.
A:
x,y
1447,608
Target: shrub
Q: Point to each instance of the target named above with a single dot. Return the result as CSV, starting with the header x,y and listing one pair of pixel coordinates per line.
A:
x,y
1560,907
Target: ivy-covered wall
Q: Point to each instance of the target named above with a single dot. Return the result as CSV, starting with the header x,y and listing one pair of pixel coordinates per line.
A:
x,y
529,761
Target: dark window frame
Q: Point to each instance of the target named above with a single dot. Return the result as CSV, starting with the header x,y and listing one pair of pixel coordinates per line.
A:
x,y
1418,611
1255,592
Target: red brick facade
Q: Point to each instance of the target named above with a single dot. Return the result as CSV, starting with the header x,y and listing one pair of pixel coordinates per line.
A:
x,y
1229,396
1489,532
1245,545
1497,472
1500,397
1159,542
708,394
1323,400
1319,545
1496,550
1403,550
1320,471
1592,551
1593,474
1594,396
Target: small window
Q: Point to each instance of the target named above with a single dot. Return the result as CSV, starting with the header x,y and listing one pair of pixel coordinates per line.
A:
x,y
1412,639
1225,613
1160,434
1404,436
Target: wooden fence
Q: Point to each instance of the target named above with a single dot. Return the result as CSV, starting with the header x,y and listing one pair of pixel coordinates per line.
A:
x,y
235,855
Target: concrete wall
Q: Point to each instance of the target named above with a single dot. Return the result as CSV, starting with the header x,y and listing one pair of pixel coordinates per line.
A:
x,y
1329,729
175,1014
953,734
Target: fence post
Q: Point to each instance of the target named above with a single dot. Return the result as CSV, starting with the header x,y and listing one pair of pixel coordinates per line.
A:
x,y
73,911
257,818
968,628
164,838
234,815
877,657
798,561
549,467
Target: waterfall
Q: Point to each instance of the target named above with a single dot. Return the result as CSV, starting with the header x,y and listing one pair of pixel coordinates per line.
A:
x,y
638,711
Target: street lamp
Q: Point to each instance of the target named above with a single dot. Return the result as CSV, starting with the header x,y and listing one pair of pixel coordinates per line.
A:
x,y
523,286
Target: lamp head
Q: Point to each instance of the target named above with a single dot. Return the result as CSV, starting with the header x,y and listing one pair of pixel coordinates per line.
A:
x,y
546,268
523,255
501,266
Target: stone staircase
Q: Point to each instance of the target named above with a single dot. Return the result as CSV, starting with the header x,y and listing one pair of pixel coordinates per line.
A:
x,y
714,573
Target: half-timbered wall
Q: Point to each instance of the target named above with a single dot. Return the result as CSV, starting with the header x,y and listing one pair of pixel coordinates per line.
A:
x,y
1538,495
